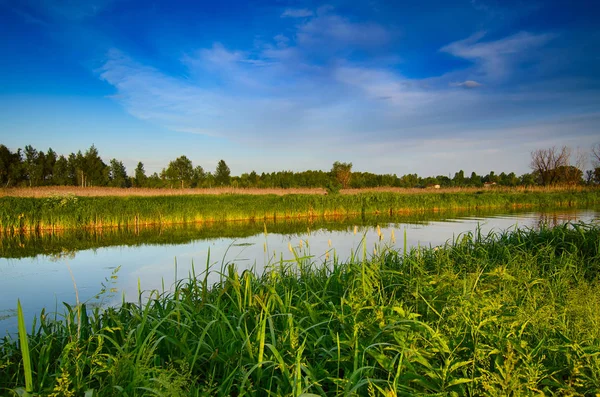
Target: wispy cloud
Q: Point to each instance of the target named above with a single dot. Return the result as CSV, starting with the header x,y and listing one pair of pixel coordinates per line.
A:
x,y
496,60
297,13
280,94
329,30
466,84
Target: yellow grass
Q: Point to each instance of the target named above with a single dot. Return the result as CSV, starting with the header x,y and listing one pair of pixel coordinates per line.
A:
x,y
47,191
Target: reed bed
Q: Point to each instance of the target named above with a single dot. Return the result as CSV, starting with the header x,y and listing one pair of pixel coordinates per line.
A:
x,y
510,314
63,241
67,212
51,191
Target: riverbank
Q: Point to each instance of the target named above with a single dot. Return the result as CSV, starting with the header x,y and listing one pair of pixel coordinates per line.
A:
x,y
508,314
71,212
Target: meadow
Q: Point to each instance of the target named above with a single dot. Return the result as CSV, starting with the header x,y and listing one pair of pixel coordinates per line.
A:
x,y
510,314
66,212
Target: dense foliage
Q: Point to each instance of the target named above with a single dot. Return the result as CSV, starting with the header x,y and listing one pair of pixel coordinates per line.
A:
x,y
498,315
31,167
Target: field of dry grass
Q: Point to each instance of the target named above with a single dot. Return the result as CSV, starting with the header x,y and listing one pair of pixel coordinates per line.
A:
x,y
48,191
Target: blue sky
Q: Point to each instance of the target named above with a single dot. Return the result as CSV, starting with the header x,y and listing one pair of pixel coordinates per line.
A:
x,y
393,86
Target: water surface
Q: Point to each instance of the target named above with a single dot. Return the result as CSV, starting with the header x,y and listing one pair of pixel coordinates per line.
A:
x,y
44,270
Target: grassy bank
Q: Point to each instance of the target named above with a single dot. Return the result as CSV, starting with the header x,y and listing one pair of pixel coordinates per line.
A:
x,y
499,315
61,242
60,212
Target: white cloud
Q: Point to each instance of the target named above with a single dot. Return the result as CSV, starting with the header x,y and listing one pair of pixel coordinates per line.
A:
x,y
297,13
496,59
466,84
331,30
278,95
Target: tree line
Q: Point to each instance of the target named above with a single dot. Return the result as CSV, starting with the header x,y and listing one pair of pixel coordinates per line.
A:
x,y
32,167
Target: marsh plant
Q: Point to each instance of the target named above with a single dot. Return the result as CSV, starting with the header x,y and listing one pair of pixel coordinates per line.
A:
x,y
55,213
508,314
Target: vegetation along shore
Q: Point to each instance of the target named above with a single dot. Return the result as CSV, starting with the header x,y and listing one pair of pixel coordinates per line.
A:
x,y
499,314
64,212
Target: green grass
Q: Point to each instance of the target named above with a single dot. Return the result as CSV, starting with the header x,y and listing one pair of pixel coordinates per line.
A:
x,y
511,314
21,245
26,213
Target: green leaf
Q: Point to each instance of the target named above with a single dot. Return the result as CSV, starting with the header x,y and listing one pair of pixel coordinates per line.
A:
x,y
24,350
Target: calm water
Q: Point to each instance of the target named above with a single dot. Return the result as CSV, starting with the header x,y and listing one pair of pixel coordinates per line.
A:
x,y
42,270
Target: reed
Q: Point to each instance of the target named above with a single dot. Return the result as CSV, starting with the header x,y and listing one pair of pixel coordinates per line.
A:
x,y
54,242
66,212
499,314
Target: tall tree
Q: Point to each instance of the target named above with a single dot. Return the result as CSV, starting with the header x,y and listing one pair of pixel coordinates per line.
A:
x,y
180,170
48,174
118,174
140,175
96,170
60,172
546,162
596,162
198,177
222,174
342,172
11,167
33,168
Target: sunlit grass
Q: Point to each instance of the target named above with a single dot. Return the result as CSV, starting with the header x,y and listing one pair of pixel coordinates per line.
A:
x,y
60,212
506,314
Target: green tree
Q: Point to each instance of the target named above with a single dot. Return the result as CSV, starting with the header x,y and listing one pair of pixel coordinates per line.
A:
x,y
459,178
48,174
11,167
180,170
222,174
140,175
342,172
33,168
95,170
118,174
198,177
60,172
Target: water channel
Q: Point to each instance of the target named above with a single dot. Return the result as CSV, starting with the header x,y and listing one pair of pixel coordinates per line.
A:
x,y
44,270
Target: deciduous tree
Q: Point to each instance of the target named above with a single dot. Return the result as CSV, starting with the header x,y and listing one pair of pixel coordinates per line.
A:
x,y
546,163
180,170
342,172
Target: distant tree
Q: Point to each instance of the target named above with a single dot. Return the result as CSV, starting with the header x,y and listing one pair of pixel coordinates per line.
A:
x,y
253,179
459,178
77,169
33,168
140,175
48,173
222,174
198,176
596,162
11,167
180,170
60,172
475,180
342,172
528,179
546,163
569,175
118,174
95,170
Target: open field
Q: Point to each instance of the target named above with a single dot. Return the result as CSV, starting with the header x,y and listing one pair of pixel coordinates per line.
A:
x,y
67,212
50,191
496,315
